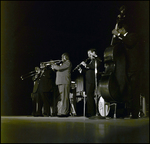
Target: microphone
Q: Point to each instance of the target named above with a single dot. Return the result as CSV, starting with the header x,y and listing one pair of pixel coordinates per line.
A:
x,y
95,55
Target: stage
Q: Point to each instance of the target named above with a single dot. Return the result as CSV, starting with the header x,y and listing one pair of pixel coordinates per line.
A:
x,y
29,129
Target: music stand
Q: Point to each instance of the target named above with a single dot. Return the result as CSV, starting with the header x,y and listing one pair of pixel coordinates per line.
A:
x,y
97,116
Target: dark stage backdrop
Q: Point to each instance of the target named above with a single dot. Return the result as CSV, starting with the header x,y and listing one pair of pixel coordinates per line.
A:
x,y
37,31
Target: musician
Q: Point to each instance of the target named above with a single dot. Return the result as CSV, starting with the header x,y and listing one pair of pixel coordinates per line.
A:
x,y
130,42
63,80
90,81
47,91
34,94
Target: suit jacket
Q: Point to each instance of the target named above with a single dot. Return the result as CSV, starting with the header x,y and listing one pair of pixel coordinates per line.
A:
x,y
63,74
47,81
90,72
131,44
36,84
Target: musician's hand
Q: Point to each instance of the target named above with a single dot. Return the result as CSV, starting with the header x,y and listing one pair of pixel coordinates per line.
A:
x,y
80,70
52,66
36,76
83,63
115,32
37,70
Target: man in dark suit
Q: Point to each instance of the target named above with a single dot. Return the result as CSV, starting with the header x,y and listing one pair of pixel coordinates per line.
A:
x,y
90,81
46,91
34,94
130,43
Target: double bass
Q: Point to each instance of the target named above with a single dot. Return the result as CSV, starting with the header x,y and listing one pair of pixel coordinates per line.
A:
x,y
113,83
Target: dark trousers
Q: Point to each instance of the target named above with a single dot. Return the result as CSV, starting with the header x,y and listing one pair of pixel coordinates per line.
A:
x,y
40,103
90,104
46,102
134,79
50,100
34,101
55,100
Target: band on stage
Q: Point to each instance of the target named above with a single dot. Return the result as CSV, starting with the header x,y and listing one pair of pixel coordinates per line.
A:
x,y
113,92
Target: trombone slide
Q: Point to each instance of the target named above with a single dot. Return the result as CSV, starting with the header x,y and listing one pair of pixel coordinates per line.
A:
x,y
32,73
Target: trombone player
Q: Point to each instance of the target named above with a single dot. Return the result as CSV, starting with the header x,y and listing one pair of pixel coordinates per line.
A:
x,y
44,91
37,101
35,73
34,94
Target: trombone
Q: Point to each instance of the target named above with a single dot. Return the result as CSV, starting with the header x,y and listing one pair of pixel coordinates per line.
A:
x,y
30,74
38,70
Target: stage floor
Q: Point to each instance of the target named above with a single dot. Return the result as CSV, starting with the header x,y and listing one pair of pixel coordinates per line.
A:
x,y
28,129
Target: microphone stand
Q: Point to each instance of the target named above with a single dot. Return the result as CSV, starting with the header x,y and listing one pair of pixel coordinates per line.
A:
x,y
97,116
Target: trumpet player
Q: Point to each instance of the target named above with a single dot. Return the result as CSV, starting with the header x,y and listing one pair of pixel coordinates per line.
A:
x,y
63,81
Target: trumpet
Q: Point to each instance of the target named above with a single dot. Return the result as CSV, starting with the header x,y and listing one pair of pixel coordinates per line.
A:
x,y
52,62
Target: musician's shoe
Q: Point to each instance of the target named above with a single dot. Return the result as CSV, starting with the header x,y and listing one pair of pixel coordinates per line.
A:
x,y
73,114
89,115
33,113
46,115
126,117
38,115
134,117
63,115
53,115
